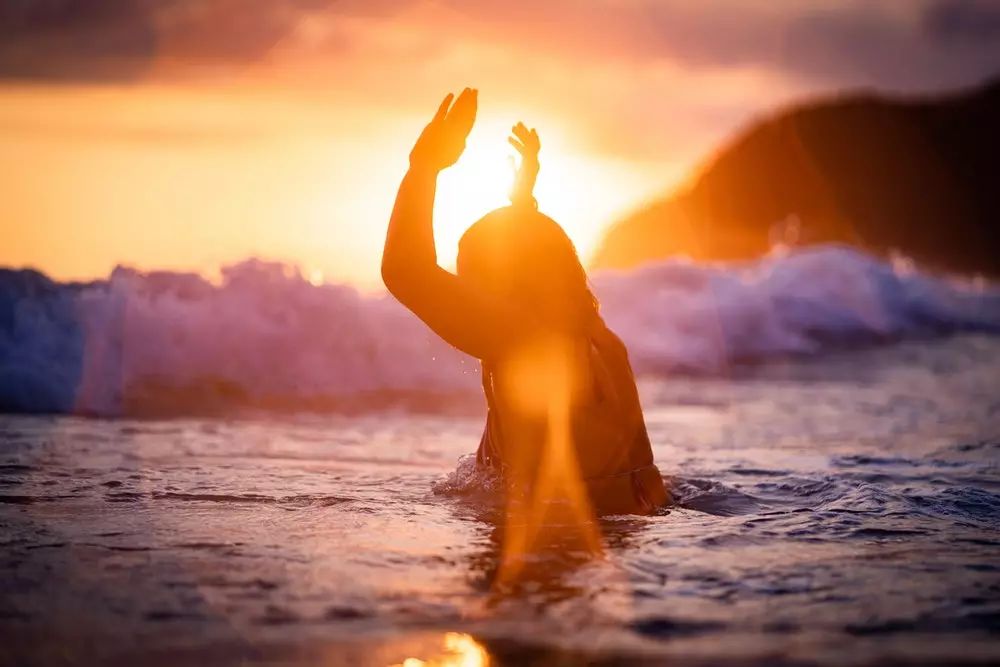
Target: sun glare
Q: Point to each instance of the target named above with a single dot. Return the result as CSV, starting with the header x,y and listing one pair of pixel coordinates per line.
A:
x,y
476,185
458,650
580,190
293,184
556,506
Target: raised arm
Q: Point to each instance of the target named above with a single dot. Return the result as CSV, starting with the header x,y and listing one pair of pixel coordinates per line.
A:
x,y
409,244
454,310
526,143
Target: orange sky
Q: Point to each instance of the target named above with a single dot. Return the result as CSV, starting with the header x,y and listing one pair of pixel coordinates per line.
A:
x,y
161,176
215,147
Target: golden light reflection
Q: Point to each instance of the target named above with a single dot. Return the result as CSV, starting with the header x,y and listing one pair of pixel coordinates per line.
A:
x,y
549,499
459,650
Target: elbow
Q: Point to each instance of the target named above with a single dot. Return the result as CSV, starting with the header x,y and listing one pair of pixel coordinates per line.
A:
x,y
404,274
395,277
389,274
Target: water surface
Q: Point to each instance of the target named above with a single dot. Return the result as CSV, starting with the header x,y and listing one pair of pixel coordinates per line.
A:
x,y
839,510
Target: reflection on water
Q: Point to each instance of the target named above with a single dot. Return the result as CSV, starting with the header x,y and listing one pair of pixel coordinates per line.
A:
x,y
560,566
457,650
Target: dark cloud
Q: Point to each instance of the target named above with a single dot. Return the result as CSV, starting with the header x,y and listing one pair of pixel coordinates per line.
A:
x,y
899,44
74,39
909,45
902,44
935,49
963,22
120,39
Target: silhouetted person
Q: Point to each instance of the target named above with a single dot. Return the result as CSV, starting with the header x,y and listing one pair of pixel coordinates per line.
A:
x,y
553,373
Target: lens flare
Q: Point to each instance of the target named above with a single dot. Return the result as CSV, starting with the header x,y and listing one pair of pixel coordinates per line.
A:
x,y
547,501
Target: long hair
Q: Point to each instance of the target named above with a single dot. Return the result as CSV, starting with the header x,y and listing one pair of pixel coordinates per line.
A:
x,y
523,256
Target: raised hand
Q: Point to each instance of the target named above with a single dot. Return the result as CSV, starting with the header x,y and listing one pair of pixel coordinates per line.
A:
x,y
443,140
526,143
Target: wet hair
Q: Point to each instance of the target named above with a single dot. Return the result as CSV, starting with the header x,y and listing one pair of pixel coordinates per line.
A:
x,y
519,254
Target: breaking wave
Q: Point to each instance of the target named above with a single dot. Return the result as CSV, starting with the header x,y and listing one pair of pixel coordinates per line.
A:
x,y
165,342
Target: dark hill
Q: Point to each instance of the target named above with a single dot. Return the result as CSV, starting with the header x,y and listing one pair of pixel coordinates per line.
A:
x,y
920,176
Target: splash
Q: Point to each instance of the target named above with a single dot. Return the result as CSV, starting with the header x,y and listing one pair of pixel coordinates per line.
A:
x,y
266,337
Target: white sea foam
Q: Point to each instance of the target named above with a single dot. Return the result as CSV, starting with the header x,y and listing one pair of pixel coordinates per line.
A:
x,y
265,331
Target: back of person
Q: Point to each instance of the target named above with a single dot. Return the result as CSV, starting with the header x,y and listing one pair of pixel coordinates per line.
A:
x,y
564,412
606,431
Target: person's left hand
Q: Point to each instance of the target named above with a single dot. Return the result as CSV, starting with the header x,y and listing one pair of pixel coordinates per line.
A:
x,y
443,140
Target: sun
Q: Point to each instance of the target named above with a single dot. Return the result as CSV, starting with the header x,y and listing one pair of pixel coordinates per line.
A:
x,y
579,189
476,185
581,186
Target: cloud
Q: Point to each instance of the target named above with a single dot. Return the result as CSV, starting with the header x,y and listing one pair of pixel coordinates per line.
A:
x,y
900,44
895,43
122,39
933,49
961,21
656,80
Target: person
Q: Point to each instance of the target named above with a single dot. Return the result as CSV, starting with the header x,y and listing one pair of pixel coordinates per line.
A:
x,y
520,302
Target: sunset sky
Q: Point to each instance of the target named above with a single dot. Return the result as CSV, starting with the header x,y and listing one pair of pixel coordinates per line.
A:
x,y
187,134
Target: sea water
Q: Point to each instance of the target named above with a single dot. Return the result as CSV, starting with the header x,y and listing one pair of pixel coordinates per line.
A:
x,y
828,423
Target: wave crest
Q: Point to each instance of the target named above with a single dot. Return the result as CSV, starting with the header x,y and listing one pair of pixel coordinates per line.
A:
x,y
265,337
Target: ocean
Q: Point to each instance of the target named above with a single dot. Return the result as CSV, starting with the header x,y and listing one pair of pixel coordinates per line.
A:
x,y
264,471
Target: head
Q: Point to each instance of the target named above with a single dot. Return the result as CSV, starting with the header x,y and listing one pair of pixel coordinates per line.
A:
x,y
519,254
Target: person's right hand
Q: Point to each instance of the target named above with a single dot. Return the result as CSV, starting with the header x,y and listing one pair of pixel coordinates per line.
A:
x,y
526,143
443,140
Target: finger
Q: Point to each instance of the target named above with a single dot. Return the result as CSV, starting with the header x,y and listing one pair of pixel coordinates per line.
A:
x,y
466,96
460,105
443,109
518,146
463,114
470,99
537,141
528,137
